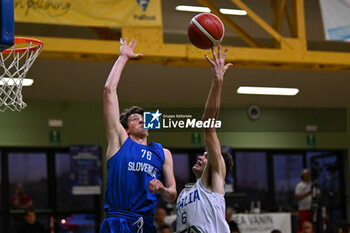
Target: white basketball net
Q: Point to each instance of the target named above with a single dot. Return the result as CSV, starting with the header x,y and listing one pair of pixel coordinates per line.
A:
x,y
13,69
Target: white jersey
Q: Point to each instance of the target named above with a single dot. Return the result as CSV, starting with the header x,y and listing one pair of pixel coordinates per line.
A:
x,y
199,210
301,188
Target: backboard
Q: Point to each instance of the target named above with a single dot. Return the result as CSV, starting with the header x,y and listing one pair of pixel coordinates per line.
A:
x,y
6,24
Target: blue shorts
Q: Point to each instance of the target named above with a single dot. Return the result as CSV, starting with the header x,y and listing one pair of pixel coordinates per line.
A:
x,y
126,222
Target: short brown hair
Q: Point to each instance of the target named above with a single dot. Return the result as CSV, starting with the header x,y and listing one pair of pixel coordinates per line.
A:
x,y
127,112
228,161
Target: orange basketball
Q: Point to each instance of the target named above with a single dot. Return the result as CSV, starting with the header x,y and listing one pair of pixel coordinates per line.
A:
x,y
206,30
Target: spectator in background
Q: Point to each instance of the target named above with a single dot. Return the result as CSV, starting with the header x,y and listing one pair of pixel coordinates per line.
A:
x,y
20,200
161,219
232,224
165,229
276,231
344,227
307,227
30,225
303,194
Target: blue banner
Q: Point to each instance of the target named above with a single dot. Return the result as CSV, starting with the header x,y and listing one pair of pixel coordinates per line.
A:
x,y
86,176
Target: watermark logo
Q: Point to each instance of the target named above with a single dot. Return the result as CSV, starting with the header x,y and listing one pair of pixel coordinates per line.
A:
x,y
143,4
151,120
157,120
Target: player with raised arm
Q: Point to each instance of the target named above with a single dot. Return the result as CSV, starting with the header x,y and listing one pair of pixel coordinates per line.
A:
x,y
200,206
134,168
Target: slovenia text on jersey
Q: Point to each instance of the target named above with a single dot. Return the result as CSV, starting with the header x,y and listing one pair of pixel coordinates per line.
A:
x,y
143,167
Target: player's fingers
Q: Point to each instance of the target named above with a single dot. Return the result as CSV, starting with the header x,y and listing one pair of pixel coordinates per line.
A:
x,y
121,41
132,43
225,52
219,51
228,65
214,54
209,60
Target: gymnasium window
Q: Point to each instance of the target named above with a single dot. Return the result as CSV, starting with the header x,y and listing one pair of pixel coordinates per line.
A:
x,y
251,175
44,174
66,201
28,174
287,169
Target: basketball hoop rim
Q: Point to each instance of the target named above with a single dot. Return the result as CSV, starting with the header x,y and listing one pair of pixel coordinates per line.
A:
x,y
19,40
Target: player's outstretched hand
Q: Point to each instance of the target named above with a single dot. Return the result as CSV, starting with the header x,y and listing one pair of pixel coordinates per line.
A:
x,y
218,63
156,186
128,49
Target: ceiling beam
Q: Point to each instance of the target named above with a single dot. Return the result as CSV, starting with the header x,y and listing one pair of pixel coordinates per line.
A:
x,y
255,17
278,13
299,18
187,55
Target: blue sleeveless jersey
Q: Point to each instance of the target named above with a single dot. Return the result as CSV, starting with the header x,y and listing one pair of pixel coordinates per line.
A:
x,y
129,172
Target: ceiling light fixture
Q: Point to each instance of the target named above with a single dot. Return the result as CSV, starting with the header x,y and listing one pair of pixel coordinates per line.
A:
x,y
232,11
267,91
26,82
192,8
207,10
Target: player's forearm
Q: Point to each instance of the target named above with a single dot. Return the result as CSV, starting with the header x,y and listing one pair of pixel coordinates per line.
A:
x,y
110,97
212,105
169,194
114,76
